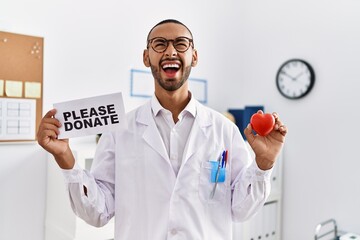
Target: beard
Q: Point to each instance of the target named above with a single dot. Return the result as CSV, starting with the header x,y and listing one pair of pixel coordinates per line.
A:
x,y
170,84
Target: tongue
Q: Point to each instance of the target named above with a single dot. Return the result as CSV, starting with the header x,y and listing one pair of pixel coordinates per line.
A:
x,y
170,72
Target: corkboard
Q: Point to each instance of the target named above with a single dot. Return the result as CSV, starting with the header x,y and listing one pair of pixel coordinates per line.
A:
x,y
21,62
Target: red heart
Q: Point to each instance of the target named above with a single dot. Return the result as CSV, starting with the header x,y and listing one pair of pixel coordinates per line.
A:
x,y
263,124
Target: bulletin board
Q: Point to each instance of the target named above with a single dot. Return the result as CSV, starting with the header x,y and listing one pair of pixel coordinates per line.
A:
x,y
21,84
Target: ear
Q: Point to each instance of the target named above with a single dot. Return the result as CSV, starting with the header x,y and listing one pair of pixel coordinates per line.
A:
x,y
194,58
146,59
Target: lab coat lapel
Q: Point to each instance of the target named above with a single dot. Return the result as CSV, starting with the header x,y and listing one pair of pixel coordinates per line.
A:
x,y
151,134
199,133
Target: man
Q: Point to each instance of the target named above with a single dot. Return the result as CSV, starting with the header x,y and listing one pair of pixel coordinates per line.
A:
x,y
156,177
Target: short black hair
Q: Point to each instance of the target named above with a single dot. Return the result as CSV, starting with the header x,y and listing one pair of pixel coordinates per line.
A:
x,y
168,21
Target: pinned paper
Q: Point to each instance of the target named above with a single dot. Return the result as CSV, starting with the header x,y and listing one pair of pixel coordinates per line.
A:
x,y
13,88
17,119
1,88
32,90
90,116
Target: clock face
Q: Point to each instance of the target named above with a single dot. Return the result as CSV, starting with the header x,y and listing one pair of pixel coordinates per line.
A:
x,y
295,79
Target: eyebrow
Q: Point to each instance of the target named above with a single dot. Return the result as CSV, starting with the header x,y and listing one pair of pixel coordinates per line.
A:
x,y
171,38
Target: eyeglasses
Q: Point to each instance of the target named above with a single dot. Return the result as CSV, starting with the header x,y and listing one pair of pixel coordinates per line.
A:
x,y
160,44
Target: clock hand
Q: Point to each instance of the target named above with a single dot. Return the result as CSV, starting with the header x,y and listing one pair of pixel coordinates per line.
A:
x,y
285,73
299,75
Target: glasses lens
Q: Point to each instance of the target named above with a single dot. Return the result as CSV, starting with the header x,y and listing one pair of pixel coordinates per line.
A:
x,y
181,44
159,44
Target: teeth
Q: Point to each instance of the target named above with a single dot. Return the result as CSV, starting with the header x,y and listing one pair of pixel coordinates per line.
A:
x,y
171,66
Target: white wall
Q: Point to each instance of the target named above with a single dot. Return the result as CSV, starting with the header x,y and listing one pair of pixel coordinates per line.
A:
x,y
91,46
22,191
320,159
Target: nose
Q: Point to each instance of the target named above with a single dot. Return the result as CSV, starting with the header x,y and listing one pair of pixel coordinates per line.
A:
x,y
170,50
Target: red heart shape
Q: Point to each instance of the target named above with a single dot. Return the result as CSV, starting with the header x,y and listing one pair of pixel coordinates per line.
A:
x,y
263,124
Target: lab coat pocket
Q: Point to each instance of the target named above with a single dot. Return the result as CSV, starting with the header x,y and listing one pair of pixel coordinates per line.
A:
x,y
207,185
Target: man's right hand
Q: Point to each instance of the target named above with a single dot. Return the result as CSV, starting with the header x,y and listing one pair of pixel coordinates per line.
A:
x,y
47,138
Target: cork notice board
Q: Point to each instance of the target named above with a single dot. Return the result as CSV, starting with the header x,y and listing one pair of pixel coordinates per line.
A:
x,y
21,84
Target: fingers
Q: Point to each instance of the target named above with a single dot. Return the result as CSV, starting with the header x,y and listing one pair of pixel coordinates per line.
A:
x,y
248,133
46,132
49,118
283,130
50,113
49,134
49,126
279,126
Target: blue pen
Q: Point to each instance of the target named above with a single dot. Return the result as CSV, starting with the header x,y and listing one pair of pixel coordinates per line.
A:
x,y
223,159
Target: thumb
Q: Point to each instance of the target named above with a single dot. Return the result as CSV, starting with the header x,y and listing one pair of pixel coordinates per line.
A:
x,y
249,134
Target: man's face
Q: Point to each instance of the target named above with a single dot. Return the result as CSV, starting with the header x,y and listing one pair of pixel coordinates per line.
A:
x,y
170,68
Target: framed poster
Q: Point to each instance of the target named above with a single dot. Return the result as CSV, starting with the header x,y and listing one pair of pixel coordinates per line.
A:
x,y
142,85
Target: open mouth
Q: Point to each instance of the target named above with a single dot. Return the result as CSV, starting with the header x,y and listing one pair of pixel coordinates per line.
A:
x,y
170,68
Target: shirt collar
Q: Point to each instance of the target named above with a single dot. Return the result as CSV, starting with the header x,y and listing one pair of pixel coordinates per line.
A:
x,y
155,105
190,107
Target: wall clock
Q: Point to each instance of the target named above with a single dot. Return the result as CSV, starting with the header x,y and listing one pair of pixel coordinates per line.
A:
x,y
295,78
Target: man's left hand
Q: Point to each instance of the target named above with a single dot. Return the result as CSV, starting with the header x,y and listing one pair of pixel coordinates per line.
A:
x,y
267,148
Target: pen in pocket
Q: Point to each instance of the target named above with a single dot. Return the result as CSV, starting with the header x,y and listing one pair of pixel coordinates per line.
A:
x,y
218,172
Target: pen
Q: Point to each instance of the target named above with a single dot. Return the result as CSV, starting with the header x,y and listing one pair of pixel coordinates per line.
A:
x,y
221,158
226,157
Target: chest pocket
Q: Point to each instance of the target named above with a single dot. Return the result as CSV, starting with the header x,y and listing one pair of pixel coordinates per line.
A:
x,y
206,185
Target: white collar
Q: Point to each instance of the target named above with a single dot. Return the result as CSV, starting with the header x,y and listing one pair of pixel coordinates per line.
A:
x,y
190,107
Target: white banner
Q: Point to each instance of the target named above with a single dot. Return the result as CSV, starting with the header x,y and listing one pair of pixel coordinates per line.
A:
x,y
89,116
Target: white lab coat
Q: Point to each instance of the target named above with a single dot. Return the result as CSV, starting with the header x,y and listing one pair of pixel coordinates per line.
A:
x,y
132,178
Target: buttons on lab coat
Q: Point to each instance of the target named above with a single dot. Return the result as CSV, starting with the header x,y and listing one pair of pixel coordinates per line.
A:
x,y
173,231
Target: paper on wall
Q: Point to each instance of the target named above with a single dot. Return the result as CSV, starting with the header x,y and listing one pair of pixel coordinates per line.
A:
x,y
13,88
32,89
1,87
17,119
